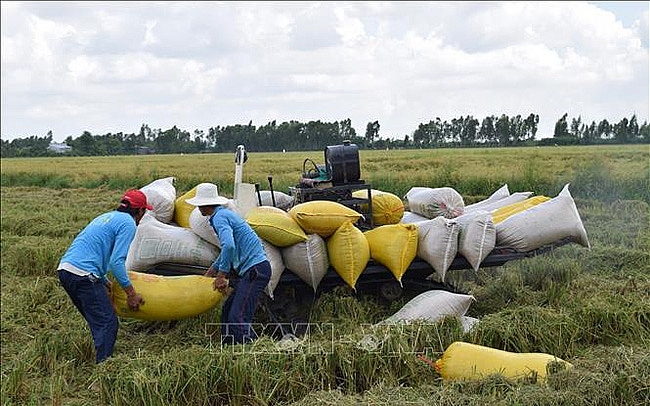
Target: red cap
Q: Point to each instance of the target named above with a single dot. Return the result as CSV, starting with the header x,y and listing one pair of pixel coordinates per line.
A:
x,y
137,199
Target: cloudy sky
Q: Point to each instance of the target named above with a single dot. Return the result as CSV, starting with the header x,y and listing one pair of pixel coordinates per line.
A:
x,y
109,67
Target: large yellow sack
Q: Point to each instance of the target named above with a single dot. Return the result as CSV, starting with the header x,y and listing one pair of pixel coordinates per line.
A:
x,y
387,208
504,212
394,246
275,226
471,361
182,209
322,217
348,252
167,297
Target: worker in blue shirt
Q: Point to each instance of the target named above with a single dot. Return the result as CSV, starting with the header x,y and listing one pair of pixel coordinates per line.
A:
x,y
101,247
241,264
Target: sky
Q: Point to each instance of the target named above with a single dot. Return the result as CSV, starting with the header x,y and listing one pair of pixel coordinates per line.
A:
x,y
110,67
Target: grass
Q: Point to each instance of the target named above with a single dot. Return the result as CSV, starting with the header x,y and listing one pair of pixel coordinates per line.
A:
x,y
589,307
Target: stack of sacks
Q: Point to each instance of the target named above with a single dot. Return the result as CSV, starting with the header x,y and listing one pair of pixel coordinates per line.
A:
x,y
543,224
387,208
433,306
434,202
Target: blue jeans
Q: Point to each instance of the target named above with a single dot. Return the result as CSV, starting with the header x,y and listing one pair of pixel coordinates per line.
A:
x,y
238,309
90,297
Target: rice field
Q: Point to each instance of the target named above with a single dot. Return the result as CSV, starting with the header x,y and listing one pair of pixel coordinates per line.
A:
x,y
589,307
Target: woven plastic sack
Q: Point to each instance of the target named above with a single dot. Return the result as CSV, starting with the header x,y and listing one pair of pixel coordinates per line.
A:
x,y
499,194
387,208
282,200
182,209
432,305
348,252
275,226
167,297
434,202
274,255
476,237
157,242
322,217
466,361
543,224
394,246
409,217
161,194
308,260
513,198
438,243
200,225
503,213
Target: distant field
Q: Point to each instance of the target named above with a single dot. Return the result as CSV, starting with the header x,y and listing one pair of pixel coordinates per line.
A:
x,y
587,306
473,172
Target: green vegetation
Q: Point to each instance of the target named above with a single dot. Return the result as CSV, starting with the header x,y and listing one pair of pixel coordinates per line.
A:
x,y
589,307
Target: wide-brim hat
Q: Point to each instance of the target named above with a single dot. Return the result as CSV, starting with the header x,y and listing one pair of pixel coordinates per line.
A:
x,y
207,195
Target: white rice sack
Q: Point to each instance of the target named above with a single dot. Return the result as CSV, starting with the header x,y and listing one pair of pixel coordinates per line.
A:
x,y
308,259
200,225
282,200
410,217
476,237
497,204
543,224
468,323
161,194
157,242
499,194
274,255
438,243
434,202
432,305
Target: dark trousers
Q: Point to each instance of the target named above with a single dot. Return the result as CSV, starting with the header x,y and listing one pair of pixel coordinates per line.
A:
x,y
90,297
238,309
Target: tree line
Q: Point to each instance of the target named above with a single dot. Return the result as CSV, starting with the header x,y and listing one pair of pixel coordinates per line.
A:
x,y
492,131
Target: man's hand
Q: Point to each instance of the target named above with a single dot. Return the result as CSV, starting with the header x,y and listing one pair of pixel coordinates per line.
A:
x,y
134,301
211,273
220,282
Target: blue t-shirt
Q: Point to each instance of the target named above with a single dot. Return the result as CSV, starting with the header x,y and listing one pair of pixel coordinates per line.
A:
x,y
102,246
241,248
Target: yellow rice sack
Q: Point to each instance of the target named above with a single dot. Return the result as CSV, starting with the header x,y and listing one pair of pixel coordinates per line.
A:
x,y
394,246
348,252
504,212
167,297
275,226
466,361
387,208
182,209
322,217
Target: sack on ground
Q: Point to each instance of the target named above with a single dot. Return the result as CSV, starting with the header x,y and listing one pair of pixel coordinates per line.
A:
x,y
466,361
432,306
157,242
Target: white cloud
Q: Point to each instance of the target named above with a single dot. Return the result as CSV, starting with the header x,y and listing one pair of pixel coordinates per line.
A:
x,y
200,64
